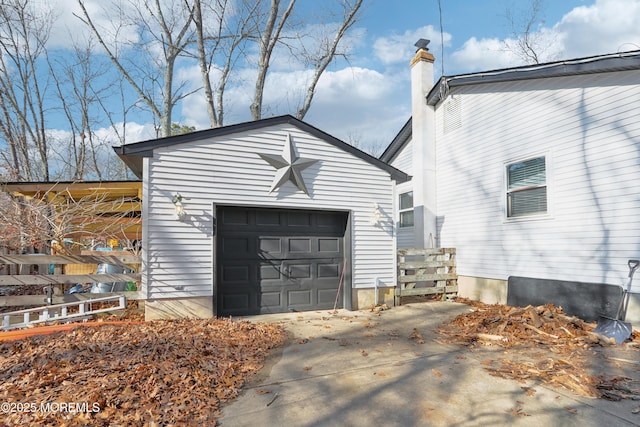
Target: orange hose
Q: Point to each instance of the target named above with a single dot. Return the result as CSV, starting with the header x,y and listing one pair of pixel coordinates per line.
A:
x,y
19,334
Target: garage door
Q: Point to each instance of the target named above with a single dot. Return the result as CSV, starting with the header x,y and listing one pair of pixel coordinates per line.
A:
x,y
275,260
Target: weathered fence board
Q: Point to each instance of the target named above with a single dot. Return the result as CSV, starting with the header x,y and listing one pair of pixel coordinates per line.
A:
x,y
427,272
426,251
58,281
69,259
414,278
425,264
429,291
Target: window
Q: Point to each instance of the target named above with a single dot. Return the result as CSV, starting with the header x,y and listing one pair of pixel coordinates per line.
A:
x,y
527,188
406,209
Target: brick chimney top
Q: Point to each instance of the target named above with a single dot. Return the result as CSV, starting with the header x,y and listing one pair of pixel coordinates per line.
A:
x,y
422,54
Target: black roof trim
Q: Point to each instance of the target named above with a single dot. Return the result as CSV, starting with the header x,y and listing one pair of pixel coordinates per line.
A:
x,y
132,154
621,61
398,143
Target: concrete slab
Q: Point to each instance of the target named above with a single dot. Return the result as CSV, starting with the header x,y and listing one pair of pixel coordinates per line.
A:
x,y
363,369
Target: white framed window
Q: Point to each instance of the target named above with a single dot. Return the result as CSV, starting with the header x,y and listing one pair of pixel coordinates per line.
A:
x,y
406,209
527,188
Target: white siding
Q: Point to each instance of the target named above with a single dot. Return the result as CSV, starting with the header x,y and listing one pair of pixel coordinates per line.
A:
x,y
404,162
589,129
404,159
228,171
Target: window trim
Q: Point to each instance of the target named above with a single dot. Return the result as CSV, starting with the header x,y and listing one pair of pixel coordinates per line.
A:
x,y
505,195
401,211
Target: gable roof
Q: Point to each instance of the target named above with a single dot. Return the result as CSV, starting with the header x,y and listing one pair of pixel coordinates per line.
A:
x,y
398,142
132,154
622,61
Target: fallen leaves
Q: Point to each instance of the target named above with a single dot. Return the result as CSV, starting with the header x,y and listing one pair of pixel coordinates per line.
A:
x,y
415,335
513,326
155,373
540,343
377,308
518,411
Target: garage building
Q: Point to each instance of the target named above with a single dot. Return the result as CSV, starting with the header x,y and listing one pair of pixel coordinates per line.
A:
x,y
267,216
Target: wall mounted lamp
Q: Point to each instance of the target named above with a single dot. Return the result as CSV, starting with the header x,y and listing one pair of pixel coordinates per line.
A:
x,y
179,207
376,216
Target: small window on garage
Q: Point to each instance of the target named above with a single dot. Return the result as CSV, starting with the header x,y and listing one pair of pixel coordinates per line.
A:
x,y
406,209
527,188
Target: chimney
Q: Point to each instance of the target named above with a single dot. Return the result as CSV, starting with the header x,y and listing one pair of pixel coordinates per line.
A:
x,y
424,147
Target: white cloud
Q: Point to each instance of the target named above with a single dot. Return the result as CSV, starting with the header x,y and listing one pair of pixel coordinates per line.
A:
x,y
483,54
607,26
399,47
360,104
69,28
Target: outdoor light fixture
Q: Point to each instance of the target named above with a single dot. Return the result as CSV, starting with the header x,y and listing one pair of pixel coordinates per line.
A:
x,y
377,215
177,204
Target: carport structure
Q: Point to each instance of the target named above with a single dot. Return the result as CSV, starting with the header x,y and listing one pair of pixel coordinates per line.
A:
x,y
84,210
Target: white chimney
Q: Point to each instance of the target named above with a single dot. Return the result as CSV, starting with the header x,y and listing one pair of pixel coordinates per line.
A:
x,y
424,147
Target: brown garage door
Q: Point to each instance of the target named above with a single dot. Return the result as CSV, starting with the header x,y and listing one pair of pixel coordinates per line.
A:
x,y
276,260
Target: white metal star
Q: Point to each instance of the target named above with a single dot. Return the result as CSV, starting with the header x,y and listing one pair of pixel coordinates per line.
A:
x,y
288,167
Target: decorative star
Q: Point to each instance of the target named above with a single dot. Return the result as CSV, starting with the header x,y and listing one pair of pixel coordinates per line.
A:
x,y
288,167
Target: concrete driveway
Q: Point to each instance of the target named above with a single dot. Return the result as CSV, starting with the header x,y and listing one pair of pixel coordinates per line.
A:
x,y
367,369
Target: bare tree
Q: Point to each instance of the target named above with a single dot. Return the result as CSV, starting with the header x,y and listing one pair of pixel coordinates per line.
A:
x,y
268,38
316,52
327,50
238,29
24,31
220,46
36,222
224,35
79,93
526,41
145,46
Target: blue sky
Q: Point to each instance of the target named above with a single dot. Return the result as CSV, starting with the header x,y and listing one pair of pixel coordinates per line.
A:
x,y
366,100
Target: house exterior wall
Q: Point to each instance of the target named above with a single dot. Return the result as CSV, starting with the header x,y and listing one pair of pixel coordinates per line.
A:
x,y
404,162
404,159
588,128
227,170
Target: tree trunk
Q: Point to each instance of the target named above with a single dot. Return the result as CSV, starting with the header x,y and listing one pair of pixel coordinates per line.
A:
x,y
268,41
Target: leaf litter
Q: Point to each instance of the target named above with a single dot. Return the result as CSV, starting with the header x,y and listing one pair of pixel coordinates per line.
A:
x,y
543,344
166,372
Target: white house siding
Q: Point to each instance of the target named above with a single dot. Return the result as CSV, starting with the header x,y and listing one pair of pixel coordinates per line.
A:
x,y
228,171
589,129
404,159
404,162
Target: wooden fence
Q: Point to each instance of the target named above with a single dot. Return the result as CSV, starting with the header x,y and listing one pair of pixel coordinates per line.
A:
x,y
426,272
66,270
